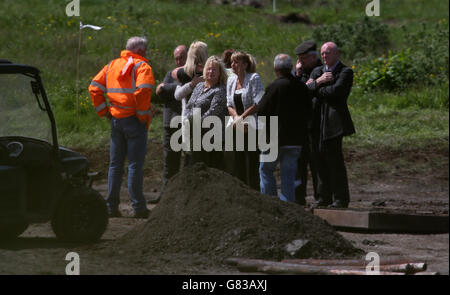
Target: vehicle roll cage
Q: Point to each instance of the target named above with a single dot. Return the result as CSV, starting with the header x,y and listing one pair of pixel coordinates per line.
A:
x,y
7,67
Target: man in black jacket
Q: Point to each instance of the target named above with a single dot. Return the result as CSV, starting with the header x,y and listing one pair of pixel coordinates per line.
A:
x,y
172,108
332,84
307,60
287,98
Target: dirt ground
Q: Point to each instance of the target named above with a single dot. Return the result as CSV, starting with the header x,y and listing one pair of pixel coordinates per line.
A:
x,y
416,180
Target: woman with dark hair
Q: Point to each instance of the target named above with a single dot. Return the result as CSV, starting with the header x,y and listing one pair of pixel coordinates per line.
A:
x,y
226,59
244,91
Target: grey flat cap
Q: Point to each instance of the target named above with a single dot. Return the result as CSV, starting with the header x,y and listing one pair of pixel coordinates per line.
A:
x,y
305,47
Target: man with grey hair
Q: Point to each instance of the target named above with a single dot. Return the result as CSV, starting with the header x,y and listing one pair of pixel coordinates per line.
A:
x,y
288,99
137,45
128,82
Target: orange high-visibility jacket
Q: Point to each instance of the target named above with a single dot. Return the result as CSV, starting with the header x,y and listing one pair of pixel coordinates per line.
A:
x,y
128,82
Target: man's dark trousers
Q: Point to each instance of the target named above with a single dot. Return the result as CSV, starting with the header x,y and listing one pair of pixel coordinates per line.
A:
x,y
171,158
332,172
309,157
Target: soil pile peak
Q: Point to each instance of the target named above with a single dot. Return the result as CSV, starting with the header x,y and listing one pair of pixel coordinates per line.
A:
x,y
208,212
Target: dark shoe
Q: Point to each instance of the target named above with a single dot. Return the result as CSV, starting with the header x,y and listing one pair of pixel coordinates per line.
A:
x,y
321,203
114,213
141,214
155,200
339,204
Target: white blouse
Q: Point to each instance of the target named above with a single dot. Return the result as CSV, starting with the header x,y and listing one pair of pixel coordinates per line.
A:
x,y
252,90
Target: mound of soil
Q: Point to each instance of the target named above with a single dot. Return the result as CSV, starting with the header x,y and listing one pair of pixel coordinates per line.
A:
x,y
207,212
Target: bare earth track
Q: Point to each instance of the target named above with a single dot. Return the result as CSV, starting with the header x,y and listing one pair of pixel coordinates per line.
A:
x,y
415,180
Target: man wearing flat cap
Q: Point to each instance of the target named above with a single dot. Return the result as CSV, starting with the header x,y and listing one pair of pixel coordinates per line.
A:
x,y
307,60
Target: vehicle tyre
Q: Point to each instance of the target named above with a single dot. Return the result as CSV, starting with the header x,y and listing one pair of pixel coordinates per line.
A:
x,y
81,216
12,231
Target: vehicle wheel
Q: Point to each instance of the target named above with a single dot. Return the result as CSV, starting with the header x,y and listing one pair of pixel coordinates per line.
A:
x,y
81,216
12,231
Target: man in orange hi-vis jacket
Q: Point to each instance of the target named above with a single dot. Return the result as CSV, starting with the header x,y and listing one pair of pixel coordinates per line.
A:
x,y
128,83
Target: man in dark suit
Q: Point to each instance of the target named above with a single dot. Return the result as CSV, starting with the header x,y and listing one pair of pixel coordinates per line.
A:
x,y
172,108
331,85
288,99
307,60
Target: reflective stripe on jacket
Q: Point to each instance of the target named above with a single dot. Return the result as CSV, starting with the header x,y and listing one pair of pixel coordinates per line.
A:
x,y
128,82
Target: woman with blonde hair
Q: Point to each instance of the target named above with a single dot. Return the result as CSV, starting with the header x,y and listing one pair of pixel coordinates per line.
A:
x,y
189,76
244,91
191,72
210,97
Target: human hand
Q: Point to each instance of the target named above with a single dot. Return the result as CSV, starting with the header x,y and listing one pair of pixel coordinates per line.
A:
x,y
237,120
108,116
159,89
175,73
240,124
196,80
298,68
325,78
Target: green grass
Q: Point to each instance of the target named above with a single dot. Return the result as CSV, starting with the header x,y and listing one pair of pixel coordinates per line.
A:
x,y
405,129
421,97
330,11
39,33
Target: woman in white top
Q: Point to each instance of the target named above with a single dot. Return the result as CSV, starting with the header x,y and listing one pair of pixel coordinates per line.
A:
x,y
244,91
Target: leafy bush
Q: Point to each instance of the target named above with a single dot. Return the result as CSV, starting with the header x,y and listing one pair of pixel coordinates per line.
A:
x,y
426,63
387,73
355,39
430,52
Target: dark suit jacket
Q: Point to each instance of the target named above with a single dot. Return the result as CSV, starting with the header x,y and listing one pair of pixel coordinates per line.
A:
x,y
289,99
315,107
335,119
172,107
304,77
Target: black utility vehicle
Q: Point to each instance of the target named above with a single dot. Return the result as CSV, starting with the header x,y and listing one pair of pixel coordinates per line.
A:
x,y
39,180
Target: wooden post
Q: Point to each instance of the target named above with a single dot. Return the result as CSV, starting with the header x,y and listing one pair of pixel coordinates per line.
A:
x,y
323,267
